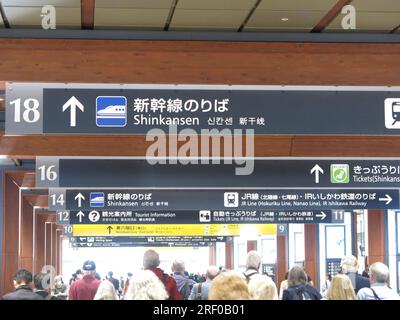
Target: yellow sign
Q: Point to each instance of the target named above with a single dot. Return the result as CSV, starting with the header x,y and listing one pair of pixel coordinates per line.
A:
x,y
160,230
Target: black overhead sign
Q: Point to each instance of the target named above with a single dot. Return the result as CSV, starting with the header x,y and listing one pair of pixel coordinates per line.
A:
x,y
184,241
148,200
56,108
201,216
125,172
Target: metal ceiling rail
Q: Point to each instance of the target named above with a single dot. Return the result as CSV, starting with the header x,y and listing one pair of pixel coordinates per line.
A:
x,y
199,36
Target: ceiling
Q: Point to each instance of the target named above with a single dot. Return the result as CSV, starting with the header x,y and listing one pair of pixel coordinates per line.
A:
x,y
381,16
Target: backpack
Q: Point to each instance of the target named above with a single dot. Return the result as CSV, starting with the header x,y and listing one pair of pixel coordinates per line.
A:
x,y
249,275
299,293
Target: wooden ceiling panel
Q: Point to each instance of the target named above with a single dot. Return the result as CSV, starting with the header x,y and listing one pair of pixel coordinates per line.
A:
x,y
345,146
199,62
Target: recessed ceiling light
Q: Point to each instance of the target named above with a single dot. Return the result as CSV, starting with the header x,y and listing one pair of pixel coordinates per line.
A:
x,y
285,19
1,99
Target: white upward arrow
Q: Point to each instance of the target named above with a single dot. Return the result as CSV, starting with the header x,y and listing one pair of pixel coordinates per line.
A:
x,y
321,215
317,170
79,197
80,215
73,103
387,198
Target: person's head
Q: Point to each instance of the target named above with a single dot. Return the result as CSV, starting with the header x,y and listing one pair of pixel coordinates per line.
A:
x,y
349,264
253,260
89,268
229,286
22,278
110,274
151,259
378,273
341,288
178,266
58,280
105,291
145,285
297,276
212,272
261,287
129,275
41,281
78,274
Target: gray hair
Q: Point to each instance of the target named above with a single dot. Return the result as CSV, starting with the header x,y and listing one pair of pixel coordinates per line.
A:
x,y
253,260
151,259
178,266
297,276
349,264
380,272
212,272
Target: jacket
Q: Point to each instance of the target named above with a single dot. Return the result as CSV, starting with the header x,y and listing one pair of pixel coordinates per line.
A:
x,y
184,285
45,295
358,281
301,292
84,289
169,283
205,289
22,293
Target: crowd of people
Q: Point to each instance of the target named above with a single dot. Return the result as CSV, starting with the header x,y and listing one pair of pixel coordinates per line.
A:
x,y
153,283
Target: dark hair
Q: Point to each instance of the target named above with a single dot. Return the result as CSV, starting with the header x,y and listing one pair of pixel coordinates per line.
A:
x,y
97,276
286,275
38,280
23,275
110,273
308,278
79,271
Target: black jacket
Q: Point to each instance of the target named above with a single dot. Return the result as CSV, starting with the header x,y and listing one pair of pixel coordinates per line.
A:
x,y
301,292
358,281
22,293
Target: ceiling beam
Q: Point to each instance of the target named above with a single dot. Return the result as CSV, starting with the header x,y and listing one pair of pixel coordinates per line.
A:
x,y
170,14
330,16
249,15
395,29
87,14
4,16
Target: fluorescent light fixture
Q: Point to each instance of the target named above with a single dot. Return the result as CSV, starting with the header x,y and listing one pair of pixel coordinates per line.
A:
x,y
285,19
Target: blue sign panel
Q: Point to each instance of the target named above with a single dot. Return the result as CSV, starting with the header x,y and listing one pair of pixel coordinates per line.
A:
x,y
96,199
111,111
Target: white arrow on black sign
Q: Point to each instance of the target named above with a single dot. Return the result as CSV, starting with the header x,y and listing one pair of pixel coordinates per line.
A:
x,y
321,215
79,197
80,215
317,170
387,198
73,104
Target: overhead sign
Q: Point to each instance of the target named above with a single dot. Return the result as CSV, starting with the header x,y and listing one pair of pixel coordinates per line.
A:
x,y
130,172
96,242
199,216
150,200
57,108
167,230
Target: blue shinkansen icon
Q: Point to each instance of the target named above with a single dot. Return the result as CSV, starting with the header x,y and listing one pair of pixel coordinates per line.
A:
x,y
96,199
111,111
